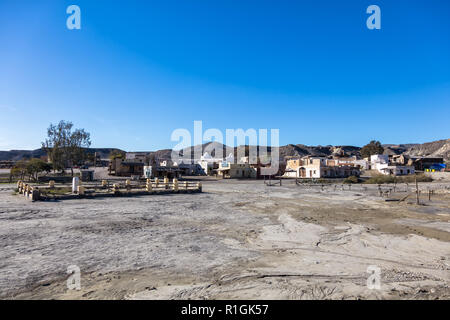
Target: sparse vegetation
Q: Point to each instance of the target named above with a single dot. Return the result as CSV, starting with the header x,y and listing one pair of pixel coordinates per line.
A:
x,y
30,168
351,180
56,191
382,179
411,178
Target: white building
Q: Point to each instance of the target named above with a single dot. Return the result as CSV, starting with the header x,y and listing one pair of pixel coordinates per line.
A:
x,y
136,156
379,158
377,161
208,163
363,164
395,170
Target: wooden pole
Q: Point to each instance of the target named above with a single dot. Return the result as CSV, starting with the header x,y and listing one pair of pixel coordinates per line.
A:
x,y
417,189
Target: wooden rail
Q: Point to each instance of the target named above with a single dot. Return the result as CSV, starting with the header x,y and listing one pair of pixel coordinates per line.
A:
x,y
105,189
31,192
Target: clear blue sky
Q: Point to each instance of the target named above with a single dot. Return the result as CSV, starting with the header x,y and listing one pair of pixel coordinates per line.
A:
x,y
137,70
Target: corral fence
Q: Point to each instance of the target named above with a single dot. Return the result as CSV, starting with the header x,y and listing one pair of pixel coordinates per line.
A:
x,y
106,189
389,191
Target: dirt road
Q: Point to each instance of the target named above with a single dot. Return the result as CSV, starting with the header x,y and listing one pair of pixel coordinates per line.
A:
x,y
237,239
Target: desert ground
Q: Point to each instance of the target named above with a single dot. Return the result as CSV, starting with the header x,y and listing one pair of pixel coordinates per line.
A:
x,y
236,240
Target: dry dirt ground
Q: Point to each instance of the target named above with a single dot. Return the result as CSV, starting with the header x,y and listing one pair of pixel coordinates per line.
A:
x,y
236,240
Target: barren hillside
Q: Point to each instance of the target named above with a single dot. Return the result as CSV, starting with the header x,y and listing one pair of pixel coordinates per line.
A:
x,y
440,148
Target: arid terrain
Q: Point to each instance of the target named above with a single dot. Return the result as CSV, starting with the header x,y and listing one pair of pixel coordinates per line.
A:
x,y
237,239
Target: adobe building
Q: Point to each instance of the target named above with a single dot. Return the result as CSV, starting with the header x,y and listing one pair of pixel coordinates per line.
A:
x,y
320,167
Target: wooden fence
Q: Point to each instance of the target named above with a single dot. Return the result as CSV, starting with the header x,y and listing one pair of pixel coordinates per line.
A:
x,y
106,189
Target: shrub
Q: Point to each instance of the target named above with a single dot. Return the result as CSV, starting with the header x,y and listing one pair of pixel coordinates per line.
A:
x,y
411,178
350,180
382,179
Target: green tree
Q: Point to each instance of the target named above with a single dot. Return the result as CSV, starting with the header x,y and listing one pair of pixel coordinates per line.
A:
x,y
64,147
32,168
373,147
19,169
116,154
35,166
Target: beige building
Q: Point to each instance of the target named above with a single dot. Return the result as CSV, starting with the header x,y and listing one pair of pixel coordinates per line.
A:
x,y
236,170
319,167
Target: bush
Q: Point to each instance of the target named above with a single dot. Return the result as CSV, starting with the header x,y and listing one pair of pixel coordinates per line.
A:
x,y
31,168
382,179
350,180
411,178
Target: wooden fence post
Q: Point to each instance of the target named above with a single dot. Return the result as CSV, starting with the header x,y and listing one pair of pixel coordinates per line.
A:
x,y
116,188
166,182
417,189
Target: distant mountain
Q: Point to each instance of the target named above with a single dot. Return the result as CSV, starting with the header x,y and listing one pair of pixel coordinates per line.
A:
x,y
394,149
16,155
289,150
440,148
301,150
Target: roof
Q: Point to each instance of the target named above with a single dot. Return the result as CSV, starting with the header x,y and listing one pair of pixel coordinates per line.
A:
x,y
438,165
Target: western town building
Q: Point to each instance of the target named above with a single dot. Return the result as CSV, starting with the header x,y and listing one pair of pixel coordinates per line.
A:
x,y
396,165
236,170
320,167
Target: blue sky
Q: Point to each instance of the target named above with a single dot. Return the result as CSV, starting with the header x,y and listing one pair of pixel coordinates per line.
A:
x,y
137,70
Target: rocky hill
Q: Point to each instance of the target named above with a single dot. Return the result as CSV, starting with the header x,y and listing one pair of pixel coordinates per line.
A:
x,y
16,155
391,149
440,148
318,151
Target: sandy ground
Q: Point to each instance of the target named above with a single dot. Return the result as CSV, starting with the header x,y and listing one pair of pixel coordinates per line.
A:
x,y
237,239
